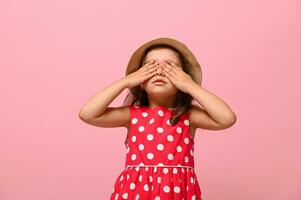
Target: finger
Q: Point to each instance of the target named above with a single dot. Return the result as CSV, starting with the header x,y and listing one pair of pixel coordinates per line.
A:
x,y
172,70
169,77
154,68
153,64
150,63
169,70
174,66
168,73
173,63
152,73
149,73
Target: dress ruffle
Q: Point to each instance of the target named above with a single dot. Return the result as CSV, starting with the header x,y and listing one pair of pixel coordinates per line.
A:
x,y
157,183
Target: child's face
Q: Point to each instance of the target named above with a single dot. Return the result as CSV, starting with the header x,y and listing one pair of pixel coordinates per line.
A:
x,y
167,89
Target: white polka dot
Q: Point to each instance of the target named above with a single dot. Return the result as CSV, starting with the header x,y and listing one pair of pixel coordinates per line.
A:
x,y
127,177
140,178
186,140
125,195
137,197
170,138
160,113
132,186
186,159
141,147
175,171
160,164
150,156
179,148
150,137
179,130
170,156
191,152
159,179
127,149
165,170
166,188
151,121
186,122
193,197
134,138
141,164
150,179
116,196
141,128
134,120
157,198
144,114
192,180
160,147
168,122
133,156
145,187
160,130
121,178
176,189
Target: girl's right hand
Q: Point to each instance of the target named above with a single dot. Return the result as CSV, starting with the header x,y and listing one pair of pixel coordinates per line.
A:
x,y
142,74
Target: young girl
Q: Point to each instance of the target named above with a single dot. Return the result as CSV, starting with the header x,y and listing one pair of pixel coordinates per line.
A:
x,y
163,77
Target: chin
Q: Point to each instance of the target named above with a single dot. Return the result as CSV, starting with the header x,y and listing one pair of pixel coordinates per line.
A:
x,y
161,92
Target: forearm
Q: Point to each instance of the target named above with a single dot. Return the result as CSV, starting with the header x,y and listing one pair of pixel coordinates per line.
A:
x,y
98,103
218,110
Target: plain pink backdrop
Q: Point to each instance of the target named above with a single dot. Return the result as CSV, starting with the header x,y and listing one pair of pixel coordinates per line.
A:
x,y
54,55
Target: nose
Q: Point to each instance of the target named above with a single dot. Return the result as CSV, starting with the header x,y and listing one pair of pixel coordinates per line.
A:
x,y
159,71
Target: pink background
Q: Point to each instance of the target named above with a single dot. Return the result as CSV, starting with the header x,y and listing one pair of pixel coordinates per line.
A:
x,y
54,55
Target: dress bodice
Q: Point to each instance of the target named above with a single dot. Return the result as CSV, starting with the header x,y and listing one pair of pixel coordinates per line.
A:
x,y
154,141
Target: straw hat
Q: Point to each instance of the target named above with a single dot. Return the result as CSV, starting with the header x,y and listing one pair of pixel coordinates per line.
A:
x,y
194,67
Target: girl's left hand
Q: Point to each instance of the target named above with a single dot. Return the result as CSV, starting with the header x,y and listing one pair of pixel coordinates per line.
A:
x,y
177,76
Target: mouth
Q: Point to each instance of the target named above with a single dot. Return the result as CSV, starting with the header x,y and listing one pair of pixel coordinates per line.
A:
x,y
159,82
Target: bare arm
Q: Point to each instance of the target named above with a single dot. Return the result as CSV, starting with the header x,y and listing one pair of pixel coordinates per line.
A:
x,y
216,114
96,111
97,104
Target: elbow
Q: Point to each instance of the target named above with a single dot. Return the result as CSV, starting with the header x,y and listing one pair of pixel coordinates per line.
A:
x,y
82,115
230,121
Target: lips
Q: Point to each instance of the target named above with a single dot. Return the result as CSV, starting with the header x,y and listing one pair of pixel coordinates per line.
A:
x,y
159,80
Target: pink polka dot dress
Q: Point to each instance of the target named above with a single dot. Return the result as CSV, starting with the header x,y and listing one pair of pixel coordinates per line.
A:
x,y
159,160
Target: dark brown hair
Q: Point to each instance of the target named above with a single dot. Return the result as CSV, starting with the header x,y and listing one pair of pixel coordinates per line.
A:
x,y
138,96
